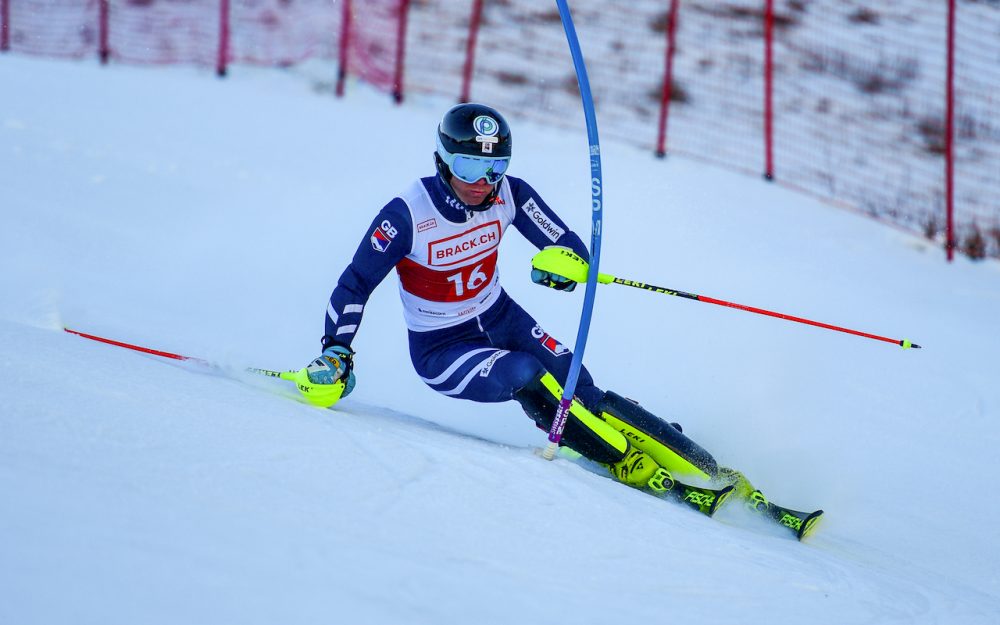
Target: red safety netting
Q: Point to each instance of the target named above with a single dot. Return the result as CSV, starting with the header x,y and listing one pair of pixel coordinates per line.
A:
x,y
853,87
163,32
859,92
373,41
58,28
281,32
270,32
977,125
859,102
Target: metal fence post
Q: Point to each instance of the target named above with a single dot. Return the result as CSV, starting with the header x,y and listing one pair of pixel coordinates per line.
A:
x,y
949,137
104,16
769,89
397,81
223,58
345,35
4,25
470,49
668,78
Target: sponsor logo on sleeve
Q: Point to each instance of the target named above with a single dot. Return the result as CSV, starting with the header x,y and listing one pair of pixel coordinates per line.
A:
x,y
383,235
548,341
538,216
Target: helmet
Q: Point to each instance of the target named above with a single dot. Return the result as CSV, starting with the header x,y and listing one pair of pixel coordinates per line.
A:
x,y
474,129
473,142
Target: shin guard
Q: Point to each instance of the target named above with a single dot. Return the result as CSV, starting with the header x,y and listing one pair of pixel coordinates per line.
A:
x,y
665,444
585,433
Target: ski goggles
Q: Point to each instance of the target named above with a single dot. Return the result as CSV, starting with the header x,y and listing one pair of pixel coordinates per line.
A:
x,y
472,168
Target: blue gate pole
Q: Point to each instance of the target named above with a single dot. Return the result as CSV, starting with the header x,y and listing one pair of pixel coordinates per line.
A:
x,y
597,193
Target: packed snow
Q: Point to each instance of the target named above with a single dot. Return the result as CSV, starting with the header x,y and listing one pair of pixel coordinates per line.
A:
x,y
212,218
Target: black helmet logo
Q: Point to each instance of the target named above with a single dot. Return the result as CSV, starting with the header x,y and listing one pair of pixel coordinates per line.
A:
x,y
486,132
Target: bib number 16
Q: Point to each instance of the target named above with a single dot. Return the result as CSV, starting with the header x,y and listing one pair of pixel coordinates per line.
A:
x,y
475,280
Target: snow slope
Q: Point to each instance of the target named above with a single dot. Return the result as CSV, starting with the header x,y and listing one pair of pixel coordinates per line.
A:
x,y
212,218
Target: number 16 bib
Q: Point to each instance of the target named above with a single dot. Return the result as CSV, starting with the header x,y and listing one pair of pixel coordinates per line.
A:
x,y
450,273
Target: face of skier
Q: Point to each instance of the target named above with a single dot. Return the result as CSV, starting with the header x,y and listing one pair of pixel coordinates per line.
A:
x,y
473,193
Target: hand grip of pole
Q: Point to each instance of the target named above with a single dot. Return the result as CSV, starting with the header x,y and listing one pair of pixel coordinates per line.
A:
x,y
564,262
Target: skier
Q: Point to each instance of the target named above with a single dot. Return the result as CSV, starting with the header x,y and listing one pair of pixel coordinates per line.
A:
x,y
468,339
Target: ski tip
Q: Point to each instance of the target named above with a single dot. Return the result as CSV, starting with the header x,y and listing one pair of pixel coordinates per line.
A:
x,y
721,496
809,525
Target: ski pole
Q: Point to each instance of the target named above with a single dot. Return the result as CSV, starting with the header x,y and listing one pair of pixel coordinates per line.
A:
x,y
284,375
606,279
562,261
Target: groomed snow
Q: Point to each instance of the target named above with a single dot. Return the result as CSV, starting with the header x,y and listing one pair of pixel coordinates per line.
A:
x,y
164,207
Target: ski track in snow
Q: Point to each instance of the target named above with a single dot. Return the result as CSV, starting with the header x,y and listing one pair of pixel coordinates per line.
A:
x,y
162,207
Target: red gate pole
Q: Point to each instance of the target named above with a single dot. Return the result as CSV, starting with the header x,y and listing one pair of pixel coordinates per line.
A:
x,y
223,58
668,78
345,33
470,49
397,81
4,25
769,90
949,138
104,51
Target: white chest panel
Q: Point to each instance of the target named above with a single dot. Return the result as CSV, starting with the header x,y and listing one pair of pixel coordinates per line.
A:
x,y
450,274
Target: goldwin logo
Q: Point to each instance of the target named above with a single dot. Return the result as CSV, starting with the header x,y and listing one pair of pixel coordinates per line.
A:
x,y
546,225
485,371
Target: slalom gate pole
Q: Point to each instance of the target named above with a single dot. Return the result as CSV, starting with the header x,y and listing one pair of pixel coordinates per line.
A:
x,y
284,375
596,189
609,279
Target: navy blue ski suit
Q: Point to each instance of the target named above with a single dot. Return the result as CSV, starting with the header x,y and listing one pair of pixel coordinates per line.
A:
x,y
499,348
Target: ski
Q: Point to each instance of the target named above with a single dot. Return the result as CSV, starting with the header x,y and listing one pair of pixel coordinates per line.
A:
x,y
702,498
802,524
705,500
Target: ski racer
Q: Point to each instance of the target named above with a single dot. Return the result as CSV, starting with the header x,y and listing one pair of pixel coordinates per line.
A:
x,y
468,338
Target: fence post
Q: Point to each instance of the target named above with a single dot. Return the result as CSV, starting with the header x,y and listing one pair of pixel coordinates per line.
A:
x,y
397,81
470,49
223,58
668,78
949,138
4,25
345,33
104,51
769,89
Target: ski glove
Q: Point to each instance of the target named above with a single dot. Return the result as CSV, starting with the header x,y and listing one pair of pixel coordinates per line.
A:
x,y
334,365
552,280
559,268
